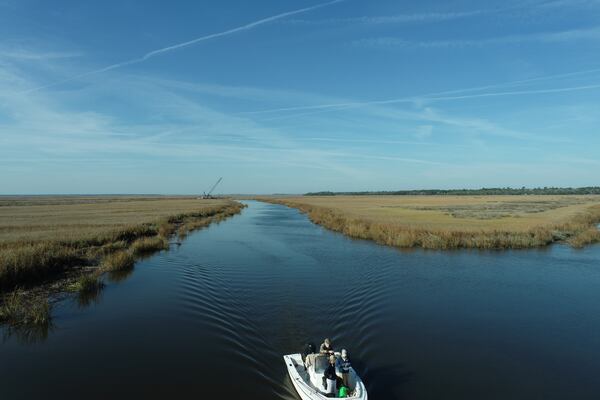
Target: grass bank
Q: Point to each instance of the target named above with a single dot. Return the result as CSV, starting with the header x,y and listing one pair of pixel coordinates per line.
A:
x,y
443,222
30,317
65,245
40,242
21,310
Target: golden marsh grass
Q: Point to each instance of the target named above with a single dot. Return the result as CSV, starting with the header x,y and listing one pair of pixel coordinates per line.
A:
x,y
447,222
43,237
17,309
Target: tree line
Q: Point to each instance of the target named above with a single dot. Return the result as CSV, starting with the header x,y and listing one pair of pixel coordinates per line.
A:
x,y
471,192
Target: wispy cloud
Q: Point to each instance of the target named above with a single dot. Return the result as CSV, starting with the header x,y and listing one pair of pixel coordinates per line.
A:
x,y
188,43
516,93
370,141
129,123
542,37
27,55
245,27
570,3
423,131
449,95
440,16
391,19
179,128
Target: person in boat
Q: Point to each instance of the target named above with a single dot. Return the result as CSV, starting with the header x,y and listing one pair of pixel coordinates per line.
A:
x,y
330,377
309,356
343,367
326,347
309,360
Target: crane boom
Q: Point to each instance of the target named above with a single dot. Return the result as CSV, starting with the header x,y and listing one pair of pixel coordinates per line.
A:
x,y
208,194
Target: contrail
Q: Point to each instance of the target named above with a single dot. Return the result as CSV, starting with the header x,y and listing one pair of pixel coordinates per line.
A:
x,y
441,96
157,52
516,92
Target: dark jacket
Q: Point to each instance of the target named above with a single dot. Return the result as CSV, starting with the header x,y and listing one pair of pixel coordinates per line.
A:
x,y
343,365
330,372
325,349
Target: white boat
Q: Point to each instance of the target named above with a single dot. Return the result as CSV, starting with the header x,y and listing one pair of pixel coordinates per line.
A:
x,y
309,381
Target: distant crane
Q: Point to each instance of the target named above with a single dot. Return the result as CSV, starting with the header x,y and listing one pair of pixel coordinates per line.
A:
x,y
208,195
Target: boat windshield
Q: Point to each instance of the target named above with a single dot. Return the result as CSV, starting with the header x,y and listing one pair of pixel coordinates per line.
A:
x,y
320,364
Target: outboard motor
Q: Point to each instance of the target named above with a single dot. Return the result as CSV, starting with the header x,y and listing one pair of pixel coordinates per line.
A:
x,y
309,348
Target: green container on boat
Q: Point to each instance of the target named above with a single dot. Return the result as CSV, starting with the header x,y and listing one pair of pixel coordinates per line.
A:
x,y
343,392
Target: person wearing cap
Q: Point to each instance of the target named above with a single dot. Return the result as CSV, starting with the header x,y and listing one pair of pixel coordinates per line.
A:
x,y
343,366
326,347
330,377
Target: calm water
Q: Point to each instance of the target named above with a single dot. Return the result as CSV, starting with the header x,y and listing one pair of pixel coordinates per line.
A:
x,y
213,317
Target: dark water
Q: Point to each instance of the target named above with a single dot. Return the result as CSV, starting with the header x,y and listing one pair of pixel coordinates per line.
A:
x,y
212,318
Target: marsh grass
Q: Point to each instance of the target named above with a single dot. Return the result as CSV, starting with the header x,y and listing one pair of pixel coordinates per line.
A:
x,y
88,283
586,237
49,258
149,245
165,229
182,233
30,262
28,318
60,250
19,310
118,261
111,247
89,288
578,231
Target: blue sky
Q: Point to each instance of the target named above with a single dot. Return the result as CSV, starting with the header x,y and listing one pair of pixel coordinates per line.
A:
x,y
296,96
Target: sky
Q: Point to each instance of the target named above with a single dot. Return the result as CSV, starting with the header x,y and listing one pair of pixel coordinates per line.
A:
x,y
282,96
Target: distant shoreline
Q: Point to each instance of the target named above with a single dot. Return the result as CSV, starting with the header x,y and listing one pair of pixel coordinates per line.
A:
x,y
549,191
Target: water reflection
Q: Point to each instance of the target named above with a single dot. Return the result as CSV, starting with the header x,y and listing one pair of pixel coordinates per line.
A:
x,y
119,276
28,333
91,296
146,254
